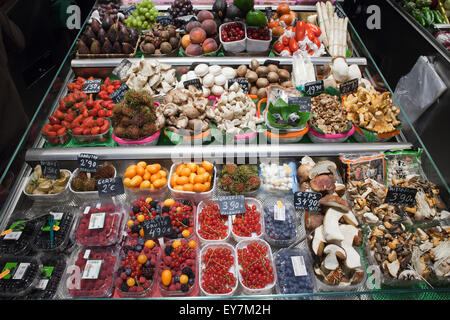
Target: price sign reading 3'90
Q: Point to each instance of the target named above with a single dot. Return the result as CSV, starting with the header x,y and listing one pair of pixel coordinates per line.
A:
x,y
110,187
398,196
232,205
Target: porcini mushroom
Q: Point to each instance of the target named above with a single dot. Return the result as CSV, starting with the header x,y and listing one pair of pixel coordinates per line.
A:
x,y
322,183
331,225
333,252
352,236
334,202
318,242
322,167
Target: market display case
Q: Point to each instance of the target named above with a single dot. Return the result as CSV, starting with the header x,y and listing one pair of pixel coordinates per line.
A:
x,y
188,176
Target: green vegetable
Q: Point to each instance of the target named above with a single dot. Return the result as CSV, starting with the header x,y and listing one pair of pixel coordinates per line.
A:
x,y
438,17
244,5
429,17
418,15
256,18
423,3
410,6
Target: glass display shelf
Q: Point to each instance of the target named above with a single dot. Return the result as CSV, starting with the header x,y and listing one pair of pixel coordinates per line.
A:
x,y
30,154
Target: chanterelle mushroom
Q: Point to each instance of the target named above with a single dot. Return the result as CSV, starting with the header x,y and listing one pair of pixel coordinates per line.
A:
x,y
333,252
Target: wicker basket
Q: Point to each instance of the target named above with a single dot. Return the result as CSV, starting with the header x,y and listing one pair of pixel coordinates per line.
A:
x,y
111,55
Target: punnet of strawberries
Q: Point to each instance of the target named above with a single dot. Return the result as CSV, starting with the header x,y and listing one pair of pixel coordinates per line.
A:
x,y
81,114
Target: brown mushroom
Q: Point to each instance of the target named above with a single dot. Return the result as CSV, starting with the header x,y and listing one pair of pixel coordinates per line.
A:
x,y
323,183
334,201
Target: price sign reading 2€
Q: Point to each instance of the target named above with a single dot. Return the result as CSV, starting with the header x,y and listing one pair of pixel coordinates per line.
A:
x,y
232,205
110,187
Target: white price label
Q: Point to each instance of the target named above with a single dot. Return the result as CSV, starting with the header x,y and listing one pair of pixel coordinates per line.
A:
x,y
42,284
97,220
298,263
57,215
98,206
279,212
92,269
86,254
20,271
86,210
15,235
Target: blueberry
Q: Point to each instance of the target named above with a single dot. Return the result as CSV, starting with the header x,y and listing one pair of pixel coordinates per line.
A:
x,y
133,218
122,257
186,202
133,247
165,209
191,281
177,278
139,248
128,272
147,263
154,203
141,241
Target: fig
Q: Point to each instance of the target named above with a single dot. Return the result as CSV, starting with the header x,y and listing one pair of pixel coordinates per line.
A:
x,y
117,48
101,36
96,26
107,22
82,47
107,47
96,47
127,48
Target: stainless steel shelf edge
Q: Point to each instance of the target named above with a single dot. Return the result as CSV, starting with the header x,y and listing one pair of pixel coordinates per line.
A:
x,y
186,61
259,7
211,151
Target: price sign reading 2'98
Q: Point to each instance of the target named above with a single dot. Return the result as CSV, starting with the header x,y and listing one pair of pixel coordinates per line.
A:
x,y
110,187
232,205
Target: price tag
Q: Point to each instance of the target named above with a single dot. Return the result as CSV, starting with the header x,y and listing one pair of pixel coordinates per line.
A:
x,y
349,86
88,162
57,215
97,221
20,271
399,196
121,70
269,62
110,187
118,95
86,210
92,269
165,20
92,86
303,102
158,227
307,200
86,254
15,235
279,212
50,169
312,88
243,83
341,14
42,284
127,10
193,82
232,205
298,264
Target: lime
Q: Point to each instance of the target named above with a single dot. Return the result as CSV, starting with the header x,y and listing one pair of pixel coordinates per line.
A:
x,y
256,18
244,5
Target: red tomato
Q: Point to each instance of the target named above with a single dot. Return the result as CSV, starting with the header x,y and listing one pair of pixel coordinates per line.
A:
x,y
300,30
293,45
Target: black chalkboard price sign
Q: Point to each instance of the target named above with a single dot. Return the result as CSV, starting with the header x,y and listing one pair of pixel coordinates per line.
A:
x,y
303,102
50,169
312,88
110,187
121,70
88,162
349,87
118,95
269,62
243,83
232,205
399,196
158,227
307,200
92,86
164,20
193,82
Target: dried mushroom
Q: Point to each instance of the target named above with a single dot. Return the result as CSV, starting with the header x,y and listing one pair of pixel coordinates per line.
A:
x,y
372,110
330,116
40,185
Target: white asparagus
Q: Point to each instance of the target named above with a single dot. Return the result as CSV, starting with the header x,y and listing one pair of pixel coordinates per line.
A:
x,y
326,22
340,23
322,24
345,36
331,44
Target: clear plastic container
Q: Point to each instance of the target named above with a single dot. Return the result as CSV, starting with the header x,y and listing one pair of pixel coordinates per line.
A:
x,y
63,218
51,271
250,194
18,240
63,196
92,138
232,269
234,46
85,195
148,269
250,202
57,140
97,281
254,45
191,263
99,224
136,193
271,188
294,272
228,223
196,197
268,288
21,275
280,233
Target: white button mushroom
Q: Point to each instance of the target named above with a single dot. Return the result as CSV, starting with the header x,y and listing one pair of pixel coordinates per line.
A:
x,y
201,69
220,80
208,80
217,90
215,69
229,73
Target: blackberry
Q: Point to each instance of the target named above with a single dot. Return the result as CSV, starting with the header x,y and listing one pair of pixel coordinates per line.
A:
x,y
134,229
168,250
186,202
184,288
154,203
186,221
188,271
136,209
148,273
165,209
124,287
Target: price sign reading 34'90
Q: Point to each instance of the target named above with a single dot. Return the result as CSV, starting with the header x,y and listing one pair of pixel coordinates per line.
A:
x,y
307,200
88,162
110,187
398,196
232,205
